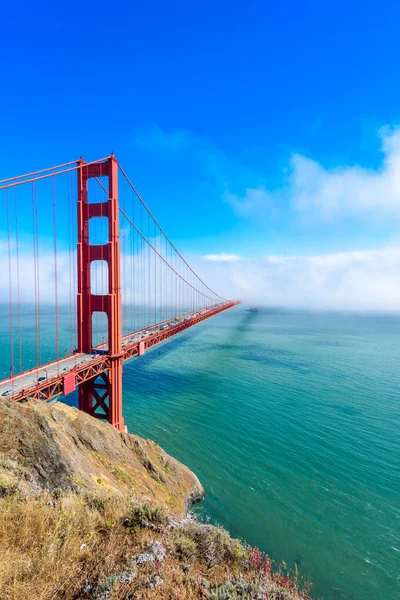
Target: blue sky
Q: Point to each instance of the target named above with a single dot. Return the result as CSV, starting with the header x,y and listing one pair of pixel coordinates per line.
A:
x,y
250,128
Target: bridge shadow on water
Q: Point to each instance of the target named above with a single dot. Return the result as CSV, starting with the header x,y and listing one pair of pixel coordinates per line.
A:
x,y
158,352
266,355
204,378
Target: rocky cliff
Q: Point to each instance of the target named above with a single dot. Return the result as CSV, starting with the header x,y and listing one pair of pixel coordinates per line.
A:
x,y
88,512
63,450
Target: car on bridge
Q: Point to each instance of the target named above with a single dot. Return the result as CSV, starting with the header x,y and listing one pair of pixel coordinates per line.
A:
x,y
7,393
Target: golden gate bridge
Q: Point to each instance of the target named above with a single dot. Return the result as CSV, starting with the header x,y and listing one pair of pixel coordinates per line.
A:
x,y
112,291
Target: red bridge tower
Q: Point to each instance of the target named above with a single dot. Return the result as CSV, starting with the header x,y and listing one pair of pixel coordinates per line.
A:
x,y
101,397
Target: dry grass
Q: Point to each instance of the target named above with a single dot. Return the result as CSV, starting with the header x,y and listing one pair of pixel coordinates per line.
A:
x,y
76,547
41,545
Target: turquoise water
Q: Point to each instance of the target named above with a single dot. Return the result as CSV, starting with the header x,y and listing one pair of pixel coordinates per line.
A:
x,y
291,421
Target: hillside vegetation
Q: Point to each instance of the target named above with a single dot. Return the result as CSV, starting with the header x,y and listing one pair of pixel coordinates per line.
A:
x,y
88,512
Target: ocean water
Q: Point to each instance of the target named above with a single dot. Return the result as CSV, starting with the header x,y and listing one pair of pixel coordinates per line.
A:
x,y
291,421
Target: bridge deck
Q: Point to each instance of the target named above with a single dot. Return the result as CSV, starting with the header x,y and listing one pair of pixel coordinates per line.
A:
x,y
87,366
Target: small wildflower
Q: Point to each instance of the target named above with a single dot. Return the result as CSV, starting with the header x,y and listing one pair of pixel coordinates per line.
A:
x,y
156,582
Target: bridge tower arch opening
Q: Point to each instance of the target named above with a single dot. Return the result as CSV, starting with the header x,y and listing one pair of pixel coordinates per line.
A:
x,y
101,396
99,278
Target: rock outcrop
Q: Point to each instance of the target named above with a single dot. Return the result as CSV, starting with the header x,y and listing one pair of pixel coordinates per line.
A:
x,y
59,448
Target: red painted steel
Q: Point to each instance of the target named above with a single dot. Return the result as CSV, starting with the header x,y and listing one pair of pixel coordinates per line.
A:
x,y
88,303
69,383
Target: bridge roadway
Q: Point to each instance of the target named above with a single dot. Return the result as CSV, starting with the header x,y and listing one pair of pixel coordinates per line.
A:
x,y
61,377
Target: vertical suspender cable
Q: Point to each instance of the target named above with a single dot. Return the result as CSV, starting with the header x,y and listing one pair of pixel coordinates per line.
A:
x,y
166,282
149,273
18,285
176,288
55,261
174,282
74,237
132,270
36,271
10,283
135,271
142,275
35,276
69,262
155,280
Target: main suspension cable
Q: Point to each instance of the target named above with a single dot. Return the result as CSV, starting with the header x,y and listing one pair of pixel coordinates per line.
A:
x,y
13,182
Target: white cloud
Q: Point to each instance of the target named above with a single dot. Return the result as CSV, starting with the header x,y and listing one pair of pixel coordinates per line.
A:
x,y
327,194
256,201
360,281
223,256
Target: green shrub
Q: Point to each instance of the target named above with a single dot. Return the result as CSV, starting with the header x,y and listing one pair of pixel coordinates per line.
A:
x,y
143,515
214,544
184,547
8,490
225,591
97,503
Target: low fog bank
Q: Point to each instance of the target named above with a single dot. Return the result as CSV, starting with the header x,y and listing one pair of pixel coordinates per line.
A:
x,y
364,281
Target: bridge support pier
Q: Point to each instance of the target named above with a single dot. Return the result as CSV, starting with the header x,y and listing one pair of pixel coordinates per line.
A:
x,y
102,396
